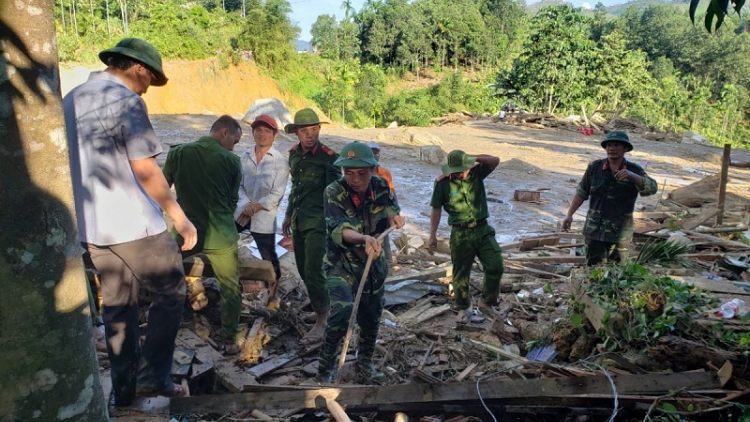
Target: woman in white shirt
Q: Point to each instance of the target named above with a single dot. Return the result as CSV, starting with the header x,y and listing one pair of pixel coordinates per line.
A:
x,y
264,177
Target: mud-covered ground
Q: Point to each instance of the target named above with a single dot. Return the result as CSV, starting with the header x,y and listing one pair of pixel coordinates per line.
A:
x,y
530,159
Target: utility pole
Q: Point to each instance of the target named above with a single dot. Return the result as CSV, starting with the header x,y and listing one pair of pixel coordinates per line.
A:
x,y
48,368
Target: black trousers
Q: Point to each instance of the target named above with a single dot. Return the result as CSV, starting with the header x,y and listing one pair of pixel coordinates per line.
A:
x,y
266,246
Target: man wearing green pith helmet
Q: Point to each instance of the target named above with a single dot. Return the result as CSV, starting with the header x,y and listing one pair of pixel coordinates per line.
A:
x,y
612,185
357,208
311,165
460,190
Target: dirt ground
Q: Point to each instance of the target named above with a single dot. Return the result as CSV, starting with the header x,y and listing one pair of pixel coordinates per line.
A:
x,y
530,159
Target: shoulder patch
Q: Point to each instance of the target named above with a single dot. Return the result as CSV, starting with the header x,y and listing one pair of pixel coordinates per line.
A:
x,y
293,147
439,178
327,150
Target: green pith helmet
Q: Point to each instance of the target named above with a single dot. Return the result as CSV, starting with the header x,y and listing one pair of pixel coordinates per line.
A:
x,y
458,161
140,51
304,117
356,155
618,136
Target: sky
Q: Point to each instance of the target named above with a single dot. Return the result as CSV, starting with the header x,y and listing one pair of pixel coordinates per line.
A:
x,y
306,12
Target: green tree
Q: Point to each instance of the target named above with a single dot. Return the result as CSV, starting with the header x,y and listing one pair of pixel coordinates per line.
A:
x,y
269,33
325,31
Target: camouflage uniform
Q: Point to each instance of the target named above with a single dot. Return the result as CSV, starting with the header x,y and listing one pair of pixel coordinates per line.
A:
x,y
311,173
465,201
609,222
345,263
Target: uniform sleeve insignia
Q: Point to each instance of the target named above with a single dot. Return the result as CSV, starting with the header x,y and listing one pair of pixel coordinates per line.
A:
x,y
327,150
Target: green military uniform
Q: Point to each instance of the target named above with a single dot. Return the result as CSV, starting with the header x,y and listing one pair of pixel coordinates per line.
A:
x,y
311,172
344,265
465,201
609,222
207,180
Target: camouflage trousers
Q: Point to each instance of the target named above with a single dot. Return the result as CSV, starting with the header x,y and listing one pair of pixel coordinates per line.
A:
x,y
342,288
598,252
466,244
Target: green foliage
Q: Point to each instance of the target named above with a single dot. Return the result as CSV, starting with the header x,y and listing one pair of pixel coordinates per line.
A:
x,y
664,253
269,33
642,307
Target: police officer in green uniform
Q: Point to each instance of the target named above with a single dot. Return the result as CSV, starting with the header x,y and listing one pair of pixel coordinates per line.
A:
x,y
460,190
357,207
612,184
311,165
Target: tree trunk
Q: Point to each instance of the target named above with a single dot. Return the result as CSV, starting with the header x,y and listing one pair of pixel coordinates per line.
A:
x,y
62,13
124,12
48,370
93,19
109,30
75,18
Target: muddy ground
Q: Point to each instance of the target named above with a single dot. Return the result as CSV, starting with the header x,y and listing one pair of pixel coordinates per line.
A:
x,y
530,159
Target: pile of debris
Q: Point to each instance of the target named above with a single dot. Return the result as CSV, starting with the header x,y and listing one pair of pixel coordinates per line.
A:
x,y
560,346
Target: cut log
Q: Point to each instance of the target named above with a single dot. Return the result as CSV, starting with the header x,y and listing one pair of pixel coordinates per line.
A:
x,y
704,191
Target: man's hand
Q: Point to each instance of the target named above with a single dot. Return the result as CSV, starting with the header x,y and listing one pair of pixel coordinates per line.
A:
x,y
372,246
286,226
432,244
189,234
566,224
248,210
243,220
397,221
624,174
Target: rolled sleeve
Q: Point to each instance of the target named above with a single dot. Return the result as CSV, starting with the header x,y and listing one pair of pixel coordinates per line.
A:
x,y
649,186
337,233
580,191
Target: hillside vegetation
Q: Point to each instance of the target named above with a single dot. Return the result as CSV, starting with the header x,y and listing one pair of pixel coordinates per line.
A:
x,y
476,55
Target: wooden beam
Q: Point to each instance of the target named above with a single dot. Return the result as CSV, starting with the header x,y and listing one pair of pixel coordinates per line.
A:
x,y
272,364
725,159
433,274
356,397
564,259
593,311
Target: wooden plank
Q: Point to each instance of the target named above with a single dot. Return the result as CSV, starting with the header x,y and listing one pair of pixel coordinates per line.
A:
x,y
228,374
433,312
414,312
565,259
725,159
272,364
432,274
204,354
692,222
593,311
731,244
465,373
718,286
355,397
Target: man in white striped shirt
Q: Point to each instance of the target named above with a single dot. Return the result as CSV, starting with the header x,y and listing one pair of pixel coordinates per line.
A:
x,y
265,172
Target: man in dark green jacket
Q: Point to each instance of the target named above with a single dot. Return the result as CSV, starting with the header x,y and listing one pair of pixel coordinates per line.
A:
x,y
207,177
612,185
311,165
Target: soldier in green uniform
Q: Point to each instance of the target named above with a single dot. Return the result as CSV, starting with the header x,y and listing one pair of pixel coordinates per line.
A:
x,y
460,190
311,165
358,207
612,184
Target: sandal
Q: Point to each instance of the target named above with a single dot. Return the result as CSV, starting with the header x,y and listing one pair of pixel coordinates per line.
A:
x,y
174,391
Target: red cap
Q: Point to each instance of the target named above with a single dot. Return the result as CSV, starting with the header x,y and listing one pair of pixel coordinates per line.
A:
x,y
266,120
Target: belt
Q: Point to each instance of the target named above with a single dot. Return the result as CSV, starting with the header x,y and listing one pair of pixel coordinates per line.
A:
x,y
477,223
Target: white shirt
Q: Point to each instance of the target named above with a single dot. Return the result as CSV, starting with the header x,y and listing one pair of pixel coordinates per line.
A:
x,y
264,183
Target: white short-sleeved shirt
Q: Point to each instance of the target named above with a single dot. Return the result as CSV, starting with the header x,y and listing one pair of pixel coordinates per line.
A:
x,y
108,126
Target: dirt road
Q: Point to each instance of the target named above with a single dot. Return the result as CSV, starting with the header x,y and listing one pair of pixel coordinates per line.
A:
x,y
530,159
